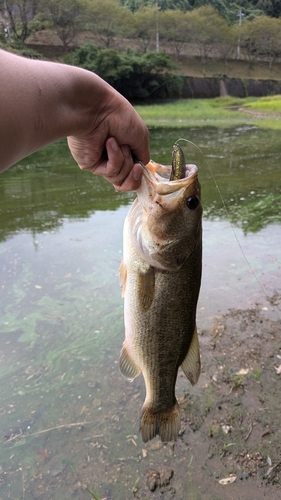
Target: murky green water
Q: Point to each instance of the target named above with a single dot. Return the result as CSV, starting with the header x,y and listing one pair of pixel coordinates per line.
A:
x,y
67,417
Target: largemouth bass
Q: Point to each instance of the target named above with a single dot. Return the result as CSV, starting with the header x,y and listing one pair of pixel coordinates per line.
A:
x,y
160,275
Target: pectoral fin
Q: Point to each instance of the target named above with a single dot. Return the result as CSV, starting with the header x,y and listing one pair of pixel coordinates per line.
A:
x,y
191,364
123,277
146,289
127,366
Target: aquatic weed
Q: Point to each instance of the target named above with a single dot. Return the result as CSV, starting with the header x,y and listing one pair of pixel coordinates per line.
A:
x,y
92,493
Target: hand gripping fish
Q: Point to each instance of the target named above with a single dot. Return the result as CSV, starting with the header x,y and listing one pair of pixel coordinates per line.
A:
x,y
161,275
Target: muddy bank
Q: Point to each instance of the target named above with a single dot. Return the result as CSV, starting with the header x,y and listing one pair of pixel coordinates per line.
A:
x,y
230,442
231,425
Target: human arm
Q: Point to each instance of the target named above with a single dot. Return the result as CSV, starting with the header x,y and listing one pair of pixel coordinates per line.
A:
x,y
42,102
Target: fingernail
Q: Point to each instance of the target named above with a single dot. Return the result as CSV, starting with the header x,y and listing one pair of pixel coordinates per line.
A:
x,y
137,171
114,144
125,150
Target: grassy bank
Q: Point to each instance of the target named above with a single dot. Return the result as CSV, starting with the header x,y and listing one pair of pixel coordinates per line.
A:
x,y
264,112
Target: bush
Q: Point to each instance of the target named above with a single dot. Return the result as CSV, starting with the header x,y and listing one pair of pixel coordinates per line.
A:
x,y
135,75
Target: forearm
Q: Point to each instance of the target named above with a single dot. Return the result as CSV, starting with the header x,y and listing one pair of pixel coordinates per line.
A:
x,y
42,102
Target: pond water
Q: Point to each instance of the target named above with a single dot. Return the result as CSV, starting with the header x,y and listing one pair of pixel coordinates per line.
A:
x,y
67,416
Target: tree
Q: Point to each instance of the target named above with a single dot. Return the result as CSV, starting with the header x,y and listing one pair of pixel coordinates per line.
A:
x,y
229,9
108,19
134,5
144,27
66,17
175,28
205,25
19,14
135,75
226,40
221,6
138,76
269,7
261,38
182,5
84,57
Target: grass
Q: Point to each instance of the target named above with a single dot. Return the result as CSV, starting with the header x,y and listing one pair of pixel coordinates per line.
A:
x,y
268,104
219,112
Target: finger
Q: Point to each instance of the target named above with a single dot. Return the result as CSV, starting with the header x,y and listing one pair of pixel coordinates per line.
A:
x,y
133,180
142,151
119,164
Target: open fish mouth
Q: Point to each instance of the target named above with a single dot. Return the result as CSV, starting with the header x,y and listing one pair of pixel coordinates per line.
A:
x,y
159,175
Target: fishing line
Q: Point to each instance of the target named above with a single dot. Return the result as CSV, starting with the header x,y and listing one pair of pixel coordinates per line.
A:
x,y
231,225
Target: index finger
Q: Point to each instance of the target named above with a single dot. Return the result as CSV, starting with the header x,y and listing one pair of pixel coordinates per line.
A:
x,y
141,153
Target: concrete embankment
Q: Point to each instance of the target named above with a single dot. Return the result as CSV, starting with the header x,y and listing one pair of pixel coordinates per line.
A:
x,y
236,87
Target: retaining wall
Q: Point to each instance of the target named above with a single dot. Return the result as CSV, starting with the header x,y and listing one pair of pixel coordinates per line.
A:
x,y
236,87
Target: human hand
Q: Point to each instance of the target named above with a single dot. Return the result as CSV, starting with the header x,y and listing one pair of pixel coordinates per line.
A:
x,y
45,101
115,163
117,136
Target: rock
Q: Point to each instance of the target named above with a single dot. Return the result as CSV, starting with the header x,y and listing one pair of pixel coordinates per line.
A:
x,y
244,475
152,479
158,478
56,466
168,490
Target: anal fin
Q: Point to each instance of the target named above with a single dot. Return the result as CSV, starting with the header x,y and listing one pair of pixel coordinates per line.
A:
x,y
191,365
127,366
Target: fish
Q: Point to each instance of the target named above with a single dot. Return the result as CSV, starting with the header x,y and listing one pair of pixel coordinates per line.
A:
x,y
160,275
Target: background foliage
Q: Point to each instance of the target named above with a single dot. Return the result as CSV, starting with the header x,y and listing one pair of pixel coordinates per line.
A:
x,y
137,76
210,28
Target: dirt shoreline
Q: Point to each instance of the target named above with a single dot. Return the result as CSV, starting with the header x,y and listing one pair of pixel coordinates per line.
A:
x,y
231,423
229,446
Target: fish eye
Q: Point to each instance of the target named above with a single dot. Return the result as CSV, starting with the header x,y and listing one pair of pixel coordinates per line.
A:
x,y
192,202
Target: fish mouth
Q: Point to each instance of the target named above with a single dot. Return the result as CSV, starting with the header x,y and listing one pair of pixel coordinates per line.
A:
x,y
159,176
157,188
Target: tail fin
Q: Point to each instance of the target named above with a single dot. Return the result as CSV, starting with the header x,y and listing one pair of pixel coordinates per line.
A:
x,y
167,423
